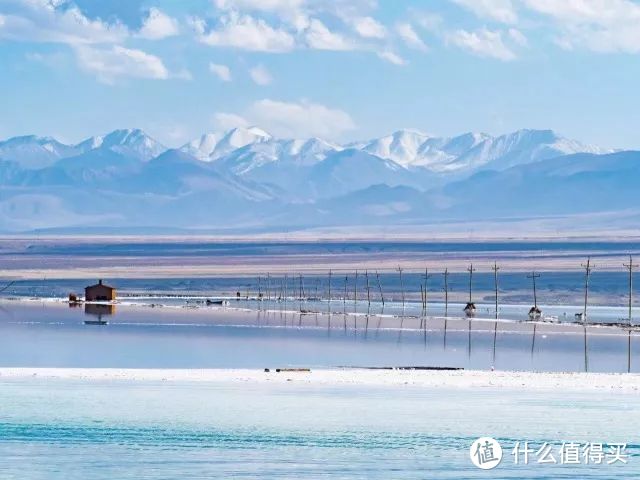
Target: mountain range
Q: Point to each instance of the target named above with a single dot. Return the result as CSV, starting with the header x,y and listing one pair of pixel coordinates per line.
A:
x,y
248,180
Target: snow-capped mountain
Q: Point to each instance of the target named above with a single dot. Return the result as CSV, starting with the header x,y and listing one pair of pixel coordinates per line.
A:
x,y
401,147
34,152
472,150
212,146
247,178
133,143
202,148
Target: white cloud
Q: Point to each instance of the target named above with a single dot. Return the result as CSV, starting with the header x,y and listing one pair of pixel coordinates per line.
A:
x,y
294,12
518,37
110,64
290,119
40,21
410,37
483,42
260,5
598,25
498,10
227,121
369,27
392,57
97,45
158,25
220,71
431,22
245,32
319,37
260,75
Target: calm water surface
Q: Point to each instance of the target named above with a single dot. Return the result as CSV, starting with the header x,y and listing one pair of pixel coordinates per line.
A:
x,y
78,430
53,334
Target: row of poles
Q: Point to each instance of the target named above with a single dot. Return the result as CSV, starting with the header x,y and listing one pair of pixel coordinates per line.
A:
x,y
282,293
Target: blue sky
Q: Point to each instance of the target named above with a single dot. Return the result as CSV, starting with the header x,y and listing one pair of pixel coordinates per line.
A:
x,y
339,69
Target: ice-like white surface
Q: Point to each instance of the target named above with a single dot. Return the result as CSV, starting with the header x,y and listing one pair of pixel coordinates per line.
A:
x,y
460,379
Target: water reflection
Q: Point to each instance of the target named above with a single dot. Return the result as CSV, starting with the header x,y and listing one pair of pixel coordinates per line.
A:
x,y
40,334
99,309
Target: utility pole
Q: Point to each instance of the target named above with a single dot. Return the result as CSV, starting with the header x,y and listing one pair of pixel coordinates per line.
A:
x,y
268,286
300,287
495,284
587,273
366,274
355,293
470,270
446,292
286,280
401,287
630,266
329,304
533,277
380,288
344,298
426,280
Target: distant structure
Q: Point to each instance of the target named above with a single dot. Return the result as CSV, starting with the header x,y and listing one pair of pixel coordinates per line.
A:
x,y
99,293
470,309
535,313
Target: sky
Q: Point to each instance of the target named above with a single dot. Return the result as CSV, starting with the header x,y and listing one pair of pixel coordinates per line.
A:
x,y
343,70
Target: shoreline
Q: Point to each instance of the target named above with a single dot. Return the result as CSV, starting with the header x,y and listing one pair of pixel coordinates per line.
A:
x,y
460,379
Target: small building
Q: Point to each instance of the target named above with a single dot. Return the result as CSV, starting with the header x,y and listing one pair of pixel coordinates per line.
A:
x,y
99,292
470,309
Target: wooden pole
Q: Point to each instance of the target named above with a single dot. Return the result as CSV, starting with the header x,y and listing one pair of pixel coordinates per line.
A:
x,y
630,266
300,287
401,287
470,270
285,290
268,286
422,304
329,300
446,292
495,337
355,294
587,273
380,288
344,298
533,277
495,284
366,273
426,282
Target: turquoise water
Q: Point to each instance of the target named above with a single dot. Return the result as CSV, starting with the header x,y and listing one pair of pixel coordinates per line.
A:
x,y
55,429
71,429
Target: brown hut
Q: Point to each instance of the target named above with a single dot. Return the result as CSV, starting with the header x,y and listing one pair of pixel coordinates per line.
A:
x,y
99,293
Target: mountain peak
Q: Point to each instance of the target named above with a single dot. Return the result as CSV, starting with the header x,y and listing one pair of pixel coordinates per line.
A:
x,y
33,151
401,146
130,141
